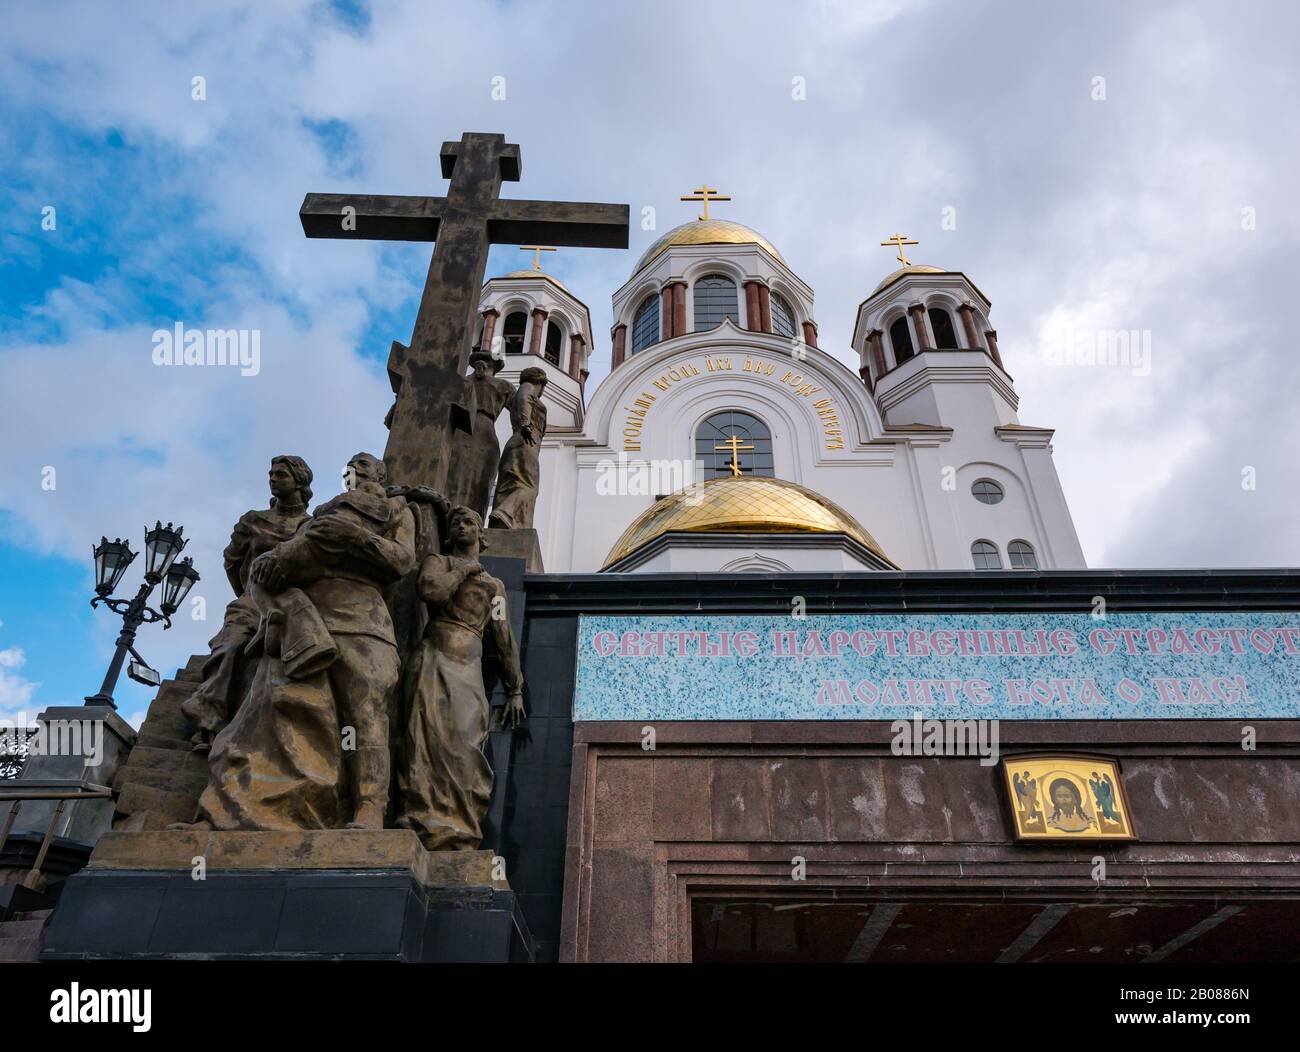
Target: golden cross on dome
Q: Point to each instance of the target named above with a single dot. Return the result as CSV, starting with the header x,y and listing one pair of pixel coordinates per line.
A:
x,y
537,251
733,444
704,193
898,241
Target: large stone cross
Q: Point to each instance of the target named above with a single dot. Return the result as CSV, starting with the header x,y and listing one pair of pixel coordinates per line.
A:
x,y
429,376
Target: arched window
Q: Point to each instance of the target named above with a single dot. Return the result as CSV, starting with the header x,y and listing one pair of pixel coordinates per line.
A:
x,y
945,336
782,316
986,491
554,341
715,299
730,440
1020,554
901,340
512,334
984,554
645,325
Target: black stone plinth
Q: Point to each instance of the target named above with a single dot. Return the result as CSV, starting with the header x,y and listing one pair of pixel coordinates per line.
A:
x,y
282,915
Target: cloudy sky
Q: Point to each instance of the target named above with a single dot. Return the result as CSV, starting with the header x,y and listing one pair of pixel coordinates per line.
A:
x,y
1110,166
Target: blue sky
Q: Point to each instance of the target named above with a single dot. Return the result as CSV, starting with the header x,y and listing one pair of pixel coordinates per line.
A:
x,y
1073,212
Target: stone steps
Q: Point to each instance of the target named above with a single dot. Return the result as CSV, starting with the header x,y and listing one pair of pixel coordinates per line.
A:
x,y
21,938
163,777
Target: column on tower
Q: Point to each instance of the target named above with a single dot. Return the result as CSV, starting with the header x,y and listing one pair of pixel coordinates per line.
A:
x,y
765,307
991,336
489,328
618,338
576,362
679,307
876,349
753,315
810,333
921,327
540,315
666,318
968,325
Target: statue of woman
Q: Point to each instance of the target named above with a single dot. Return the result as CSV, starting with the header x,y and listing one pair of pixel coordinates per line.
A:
x,y
227,671
444,783
474,465
519,477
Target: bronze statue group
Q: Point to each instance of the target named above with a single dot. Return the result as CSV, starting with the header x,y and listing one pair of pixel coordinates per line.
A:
x,y
345,688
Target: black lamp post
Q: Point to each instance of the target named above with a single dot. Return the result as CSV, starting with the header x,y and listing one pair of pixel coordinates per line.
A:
x,y
162,545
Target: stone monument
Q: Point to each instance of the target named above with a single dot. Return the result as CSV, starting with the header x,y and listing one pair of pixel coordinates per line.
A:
x,y
296,819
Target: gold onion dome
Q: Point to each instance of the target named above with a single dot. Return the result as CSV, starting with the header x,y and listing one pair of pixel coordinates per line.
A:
x,y
748,504
911,268
708,232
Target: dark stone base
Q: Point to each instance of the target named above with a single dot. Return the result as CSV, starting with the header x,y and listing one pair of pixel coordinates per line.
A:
x,y
283,915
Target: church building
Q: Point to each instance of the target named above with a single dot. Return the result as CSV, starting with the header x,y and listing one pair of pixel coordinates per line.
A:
x,y
725,439
769,581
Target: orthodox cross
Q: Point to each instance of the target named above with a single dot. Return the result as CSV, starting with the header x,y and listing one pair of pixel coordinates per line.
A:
x,y
733,444
537,251
428,377
703,193
898,241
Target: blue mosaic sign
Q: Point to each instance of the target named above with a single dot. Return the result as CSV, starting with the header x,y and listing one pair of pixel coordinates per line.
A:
x,y
1049,666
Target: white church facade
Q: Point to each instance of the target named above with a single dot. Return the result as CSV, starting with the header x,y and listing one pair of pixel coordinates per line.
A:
x,y
724,439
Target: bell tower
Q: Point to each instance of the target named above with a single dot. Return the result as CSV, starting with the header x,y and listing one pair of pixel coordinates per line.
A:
x,y
927,352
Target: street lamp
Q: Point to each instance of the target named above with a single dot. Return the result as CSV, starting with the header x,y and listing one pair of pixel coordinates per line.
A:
x,y
162,545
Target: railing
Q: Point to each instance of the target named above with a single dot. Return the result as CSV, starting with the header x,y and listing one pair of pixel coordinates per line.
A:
x,y
59,789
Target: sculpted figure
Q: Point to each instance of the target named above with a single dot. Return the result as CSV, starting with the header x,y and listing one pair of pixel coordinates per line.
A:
x,y
519,477
474,464
445,782
327,669
226,673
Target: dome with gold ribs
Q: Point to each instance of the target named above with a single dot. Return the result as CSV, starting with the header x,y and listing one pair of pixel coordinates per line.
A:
x,y
911,268
707,232
748,504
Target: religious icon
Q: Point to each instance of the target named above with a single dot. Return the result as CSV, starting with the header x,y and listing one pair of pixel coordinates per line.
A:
x,y
1067,797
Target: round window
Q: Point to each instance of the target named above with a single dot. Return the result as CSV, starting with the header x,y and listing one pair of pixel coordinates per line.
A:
x,y
986,491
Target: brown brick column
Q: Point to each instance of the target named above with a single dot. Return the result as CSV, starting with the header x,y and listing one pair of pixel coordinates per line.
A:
x,y
753,316
618,337
765,307
575,354
679,307
666,316
810,333
921,328
539,330
969,327
489,328
991,336
876,349
865,373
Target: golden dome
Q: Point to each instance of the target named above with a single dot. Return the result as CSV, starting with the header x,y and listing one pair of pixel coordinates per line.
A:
x,y
911,268
707,232
528,273
748,504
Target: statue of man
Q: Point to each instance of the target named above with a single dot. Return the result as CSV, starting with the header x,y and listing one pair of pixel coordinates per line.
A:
x,y
519,477
444,784
226,673
474,465
328,668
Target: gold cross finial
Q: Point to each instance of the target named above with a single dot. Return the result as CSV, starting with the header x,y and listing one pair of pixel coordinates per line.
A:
x,y
537,251
898,241
733,444
705,193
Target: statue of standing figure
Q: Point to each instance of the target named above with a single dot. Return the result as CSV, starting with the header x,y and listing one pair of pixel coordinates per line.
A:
x,y
326,671
519,477
227,671
474,464
444,784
